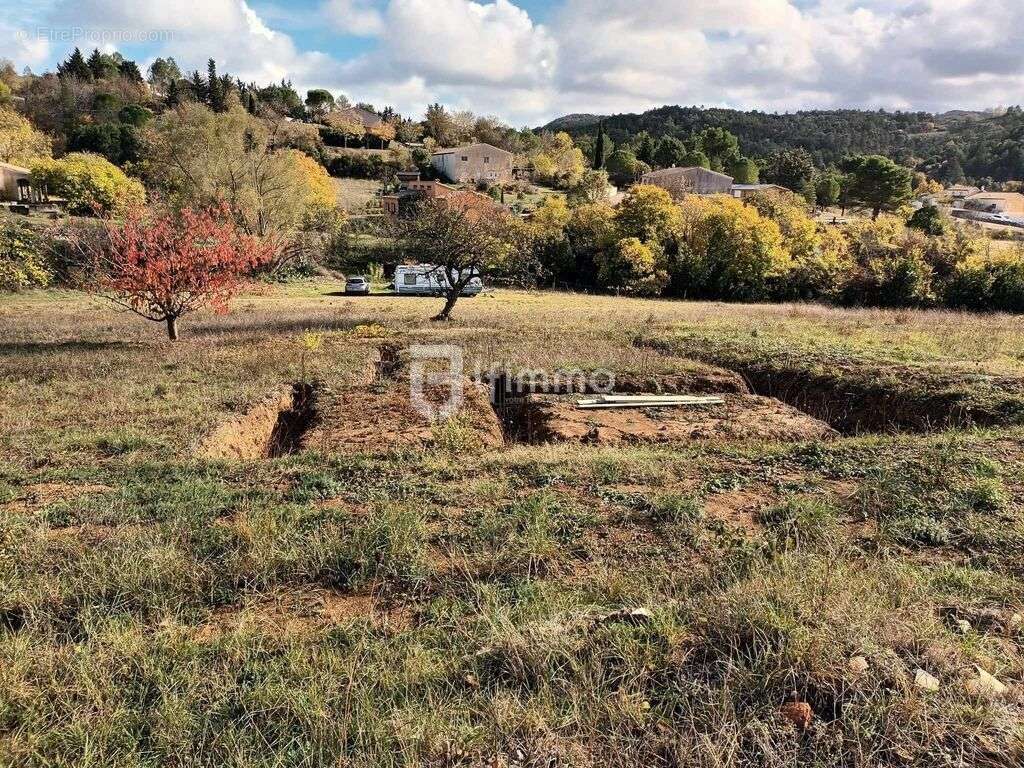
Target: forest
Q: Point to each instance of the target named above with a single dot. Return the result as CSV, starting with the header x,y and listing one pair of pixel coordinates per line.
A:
x,y
952,147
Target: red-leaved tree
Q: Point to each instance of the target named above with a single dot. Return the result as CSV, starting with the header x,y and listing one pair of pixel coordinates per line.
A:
x,y
164,265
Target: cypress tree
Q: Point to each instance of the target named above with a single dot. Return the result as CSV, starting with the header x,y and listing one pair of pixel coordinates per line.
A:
x,y
214,96
599,147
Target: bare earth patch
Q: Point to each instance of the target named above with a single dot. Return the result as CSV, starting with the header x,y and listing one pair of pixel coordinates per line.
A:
x,y
301,611
38,495
251,435
369,419
740,417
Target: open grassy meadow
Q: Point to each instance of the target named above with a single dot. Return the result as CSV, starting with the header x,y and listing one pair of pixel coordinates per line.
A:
x,y
854,600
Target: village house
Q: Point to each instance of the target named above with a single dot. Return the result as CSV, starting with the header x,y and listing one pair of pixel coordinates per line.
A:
x,y
473,163
412,189
1011,203
364,117
15,184
694,180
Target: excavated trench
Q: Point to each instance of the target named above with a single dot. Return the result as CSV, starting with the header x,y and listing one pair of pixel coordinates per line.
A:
x,y
274,427
858,405
498,409
532,413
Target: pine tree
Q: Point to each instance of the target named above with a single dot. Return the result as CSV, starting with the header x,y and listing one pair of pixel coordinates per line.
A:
x,y
215,98
96,65
130,71
173,98
75,66
198,87
599,147
227,84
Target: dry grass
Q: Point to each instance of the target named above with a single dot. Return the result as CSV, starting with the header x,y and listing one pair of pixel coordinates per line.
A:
x,y
468,606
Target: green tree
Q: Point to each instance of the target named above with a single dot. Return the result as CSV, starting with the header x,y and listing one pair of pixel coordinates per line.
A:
x,y
744,171
644,148
877,183
622,167
827,187
75,67
721,147
670,152
129,70
598,159
319,102
694,158
215,94
163,72
789,168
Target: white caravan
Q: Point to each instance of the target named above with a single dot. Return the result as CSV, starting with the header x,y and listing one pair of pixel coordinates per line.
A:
x,y
429,280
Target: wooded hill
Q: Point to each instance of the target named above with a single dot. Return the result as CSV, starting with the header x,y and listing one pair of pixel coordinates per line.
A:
x,y
951,146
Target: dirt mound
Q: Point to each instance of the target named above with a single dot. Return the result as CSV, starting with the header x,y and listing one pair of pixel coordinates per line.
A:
x,y
741,417
702,380
372,418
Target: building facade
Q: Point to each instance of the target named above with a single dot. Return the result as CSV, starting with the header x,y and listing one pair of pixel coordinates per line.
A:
x,y
473,163
689,181
1011,203
15,183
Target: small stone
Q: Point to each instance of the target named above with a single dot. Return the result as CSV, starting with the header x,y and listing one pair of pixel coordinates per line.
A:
x,y
630,616
985,686
857,665
1014,623
926,682
963,625
797,713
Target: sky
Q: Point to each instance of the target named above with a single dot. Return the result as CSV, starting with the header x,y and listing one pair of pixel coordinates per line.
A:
x,y
529,61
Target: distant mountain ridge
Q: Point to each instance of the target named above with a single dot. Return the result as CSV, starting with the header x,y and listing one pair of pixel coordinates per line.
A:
x,y
569,122
950,146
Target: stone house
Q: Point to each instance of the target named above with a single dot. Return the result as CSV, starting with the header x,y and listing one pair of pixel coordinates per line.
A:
x,y
473,163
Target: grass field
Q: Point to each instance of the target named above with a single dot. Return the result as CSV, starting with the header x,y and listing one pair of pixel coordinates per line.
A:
x,y
528,605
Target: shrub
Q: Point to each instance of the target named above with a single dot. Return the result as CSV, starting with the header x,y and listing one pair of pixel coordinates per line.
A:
x,y
22,264
633,267
988,283
729,250
930,220
88,182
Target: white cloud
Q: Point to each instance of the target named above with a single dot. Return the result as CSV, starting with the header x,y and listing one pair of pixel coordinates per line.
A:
x,y
22,45
193,30
593,55
354,17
